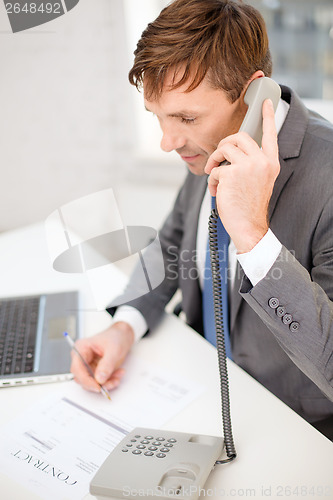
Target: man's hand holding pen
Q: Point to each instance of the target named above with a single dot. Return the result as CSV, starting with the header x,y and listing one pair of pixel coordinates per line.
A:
x,y
104,353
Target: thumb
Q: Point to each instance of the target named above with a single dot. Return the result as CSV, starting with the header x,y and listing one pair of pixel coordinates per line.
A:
x,y
105,368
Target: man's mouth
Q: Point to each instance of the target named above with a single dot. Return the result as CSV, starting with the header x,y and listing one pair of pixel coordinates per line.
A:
x,y
189,158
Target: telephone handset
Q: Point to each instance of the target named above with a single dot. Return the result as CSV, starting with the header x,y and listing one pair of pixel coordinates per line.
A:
x,y
258,91
163,464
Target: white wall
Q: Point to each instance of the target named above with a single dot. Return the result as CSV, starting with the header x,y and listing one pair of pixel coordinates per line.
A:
x,y
57,112
324,108
65,109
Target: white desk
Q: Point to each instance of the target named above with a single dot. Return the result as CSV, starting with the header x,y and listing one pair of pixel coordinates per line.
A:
x,y
279,454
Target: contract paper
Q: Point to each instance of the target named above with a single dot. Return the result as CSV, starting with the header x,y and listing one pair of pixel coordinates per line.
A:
x,y
54,448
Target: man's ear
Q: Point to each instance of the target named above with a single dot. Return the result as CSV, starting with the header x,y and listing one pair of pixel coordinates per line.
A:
x,y
257,74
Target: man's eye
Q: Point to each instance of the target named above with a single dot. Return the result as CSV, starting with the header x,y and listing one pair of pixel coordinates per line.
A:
x,y
187,120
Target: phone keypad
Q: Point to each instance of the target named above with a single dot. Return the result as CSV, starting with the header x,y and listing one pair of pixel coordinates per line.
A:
x,y
154,446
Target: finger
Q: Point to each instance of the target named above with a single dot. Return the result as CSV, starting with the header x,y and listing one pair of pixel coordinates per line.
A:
x,y
79,370
269,138
214,179
91,385
229,151
115,379
241,140
212,186
214,161
87,382
106,366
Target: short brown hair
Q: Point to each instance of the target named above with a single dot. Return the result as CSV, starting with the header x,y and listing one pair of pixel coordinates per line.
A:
x,y
225,39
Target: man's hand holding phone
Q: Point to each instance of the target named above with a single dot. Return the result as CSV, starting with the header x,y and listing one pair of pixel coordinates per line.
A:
x,y
243,189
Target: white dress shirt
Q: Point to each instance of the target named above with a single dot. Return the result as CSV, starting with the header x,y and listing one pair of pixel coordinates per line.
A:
x,y
255,263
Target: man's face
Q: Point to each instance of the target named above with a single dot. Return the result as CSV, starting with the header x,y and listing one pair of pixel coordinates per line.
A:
x,y
193,123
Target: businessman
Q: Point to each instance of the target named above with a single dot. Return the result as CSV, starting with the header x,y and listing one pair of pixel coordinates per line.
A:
x,y
194,64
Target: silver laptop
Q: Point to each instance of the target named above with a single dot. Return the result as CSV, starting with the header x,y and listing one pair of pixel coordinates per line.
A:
x,y
32,345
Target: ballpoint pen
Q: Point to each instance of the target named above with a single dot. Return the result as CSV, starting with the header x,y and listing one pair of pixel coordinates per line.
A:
x,y
91,373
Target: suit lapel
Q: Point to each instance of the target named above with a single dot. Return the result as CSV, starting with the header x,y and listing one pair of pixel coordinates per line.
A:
x,y
191,289
290,140
194,212
285,173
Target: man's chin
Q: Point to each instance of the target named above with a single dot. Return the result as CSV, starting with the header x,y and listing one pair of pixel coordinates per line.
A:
x,y
196,169
195,163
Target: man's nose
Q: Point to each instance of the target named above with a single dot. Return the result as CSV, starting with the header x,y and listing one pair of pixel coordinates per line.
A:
x,y
171,141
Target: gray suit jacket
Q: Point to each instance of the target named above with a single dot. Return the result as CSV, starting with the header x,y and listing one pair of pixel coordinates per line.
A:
x,y
290,353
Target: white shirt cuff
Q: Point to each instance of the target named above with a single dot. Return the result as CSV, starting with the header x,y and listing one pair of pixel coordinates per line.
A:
x,y
260,259
134,318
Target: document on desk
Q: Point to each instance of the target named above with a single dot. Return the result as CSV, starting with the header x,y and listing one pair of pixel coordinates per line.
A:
x,y
55,447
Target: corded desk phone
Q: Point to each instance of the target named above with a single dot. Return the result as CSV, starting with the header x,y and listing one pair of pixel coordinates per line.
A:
x,y
153,463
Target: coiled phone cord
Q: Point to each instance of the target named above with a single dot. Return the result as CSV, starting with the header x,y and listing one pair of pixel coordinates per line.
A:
x,y
220,344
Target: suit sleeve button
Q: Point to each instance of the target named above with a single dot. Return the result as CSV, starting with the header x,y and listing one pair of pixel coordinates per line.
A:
x,y
294,326
287,319
280,311
273,302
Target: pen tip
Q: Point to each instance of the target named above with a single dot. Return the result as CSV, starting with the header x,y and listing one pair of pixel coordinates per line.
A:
x,y
65,334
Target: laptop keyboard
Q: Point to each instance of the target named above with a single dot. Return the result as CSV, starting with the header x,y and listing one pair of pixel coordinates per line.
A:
x,y
18,329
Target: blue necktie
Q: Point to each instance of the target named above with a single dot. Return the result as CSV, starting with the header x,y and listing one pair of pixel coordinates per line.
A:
x,y
208,303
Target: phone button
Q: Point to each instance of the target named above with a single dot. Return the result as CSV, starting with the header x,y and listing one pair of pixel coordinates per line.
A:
x,y
160,455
